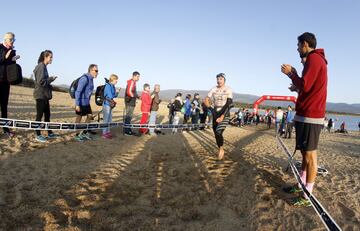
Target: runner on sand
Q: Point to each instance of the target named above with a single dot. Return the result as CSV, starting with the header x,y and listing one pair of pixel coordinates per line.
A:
x,y
219,101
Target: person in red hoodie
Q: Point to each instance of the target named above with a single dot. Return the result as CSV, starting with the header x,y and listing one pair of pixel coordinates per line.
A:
x,y
146,100
310,108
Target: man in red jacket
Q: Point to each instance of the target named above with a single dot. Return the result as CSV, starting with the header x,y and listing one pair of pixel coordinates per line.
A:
x,y
130,100
310,107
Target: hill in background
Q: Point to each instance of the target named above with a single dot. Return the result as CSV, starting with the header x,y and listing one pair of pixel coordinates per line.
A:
x,y
239,98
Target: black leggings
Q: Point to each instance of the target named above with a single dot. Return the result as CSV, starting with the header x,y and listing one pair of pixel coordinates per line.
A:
x,y
42,108
4,100
203,116
219,128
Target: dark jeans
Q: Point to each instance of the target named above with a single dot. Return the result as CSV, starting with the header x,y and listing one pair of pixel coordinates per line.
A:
x,y
129,111
4,100
288,131
42,108
186,118
195,118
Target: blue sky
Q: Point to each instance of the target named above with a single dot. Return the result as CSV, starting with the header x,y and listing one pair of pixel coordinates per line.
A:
x,y
184,44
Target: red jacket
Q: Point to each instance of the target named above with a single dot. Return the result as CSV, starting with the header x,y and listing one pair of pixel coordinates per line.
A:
x,y
311,102
145,102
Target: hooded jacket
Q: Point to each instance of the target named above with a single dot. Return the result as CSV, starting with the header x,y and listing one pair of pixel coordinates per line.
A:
x,y
311,102
109,93
187,106
43,88
145,102
177,104
84,90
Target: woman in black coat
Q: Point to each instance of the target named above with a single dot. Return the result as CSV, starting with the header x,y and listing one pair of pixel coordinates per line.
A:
x,y
7,57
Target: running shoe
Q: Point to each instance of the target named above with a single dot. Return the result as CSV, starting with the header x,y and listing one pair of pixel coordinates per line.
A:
x,y
92,132
79,138
129,133
41,139
9,134
301,202
53,136
292,189
106,136
86,136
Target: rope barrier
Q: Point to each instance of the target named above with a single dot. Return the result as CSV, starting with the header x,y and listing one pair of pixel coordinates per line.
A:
x,y
324,215
37,125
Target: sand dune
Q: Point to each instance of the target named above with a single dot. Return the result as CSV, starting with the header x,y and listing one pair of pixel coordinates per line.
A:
x,y
167,182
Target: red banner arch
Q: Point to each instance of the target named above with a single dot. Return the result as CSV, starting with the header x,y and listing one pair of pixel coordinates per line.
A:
x,y
273,98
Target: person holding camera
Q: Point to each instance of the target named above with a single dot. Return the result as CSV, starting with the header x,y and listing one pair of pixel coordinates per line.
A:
x,y
43,92
110,92
7,57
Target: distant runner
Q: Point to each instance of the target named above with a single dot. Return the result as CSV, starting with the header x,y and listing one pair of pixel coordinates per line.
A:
x,y
221,101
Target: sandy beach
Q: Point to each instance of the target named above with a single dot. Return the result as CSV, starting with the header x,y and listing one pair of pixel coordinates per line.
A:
x,y
165,182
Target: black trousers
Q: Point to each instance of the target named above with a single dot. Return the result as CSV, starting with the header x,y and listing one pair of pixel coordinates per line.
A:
x,y
42,108
186,118
203,116
4,100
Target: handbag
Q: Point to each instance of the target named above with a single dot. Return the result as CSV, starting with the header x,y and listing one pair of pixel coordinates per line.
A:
x,y
112,103
14,74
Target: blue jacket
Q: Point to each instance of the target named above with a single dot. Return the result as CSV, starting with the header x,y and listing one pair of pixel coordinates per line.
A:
x,y
84,90
187,106
109,93
290,116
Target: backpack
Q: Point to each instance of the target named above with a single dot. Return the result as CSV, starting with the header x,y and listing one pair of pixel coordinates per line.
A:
x,y
183,109
99,94
74,86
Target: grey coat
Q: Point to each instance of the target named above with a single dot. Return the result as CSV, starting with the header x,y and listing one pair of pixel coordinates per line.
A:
x,y
43,88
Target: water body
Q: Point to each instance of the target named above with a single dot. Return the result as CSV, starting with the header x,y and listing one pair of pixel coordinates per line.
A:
x,y
351,121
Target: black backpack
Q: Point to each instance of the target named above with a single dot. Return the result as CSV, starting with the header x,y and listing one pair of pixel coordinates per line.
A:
x,y
99,94
74,86
14,74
